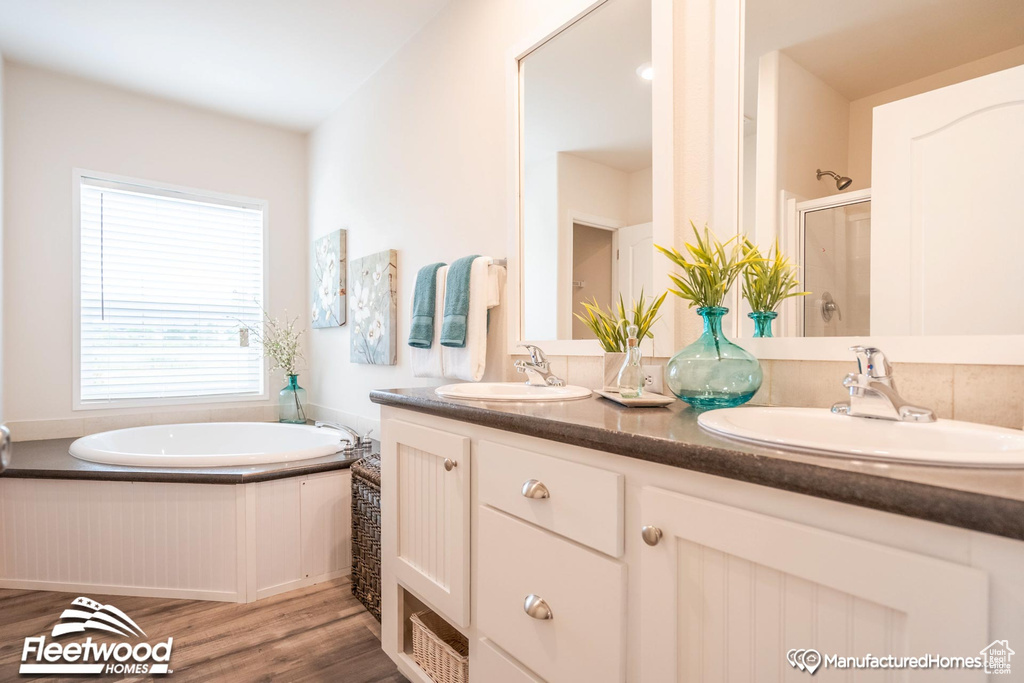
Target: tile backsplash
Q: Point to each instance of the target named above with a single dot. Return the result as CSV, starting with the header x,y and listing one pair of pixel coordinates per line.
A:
x,y
989,394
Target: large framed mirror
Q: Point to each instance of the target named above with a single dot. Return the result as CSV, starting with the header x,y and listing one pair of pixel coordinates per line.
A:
x,y
880,145
587,173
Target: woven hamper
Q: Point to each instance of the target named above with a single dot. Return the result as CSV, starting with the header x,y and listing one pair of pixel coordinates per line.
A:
x,y
366,533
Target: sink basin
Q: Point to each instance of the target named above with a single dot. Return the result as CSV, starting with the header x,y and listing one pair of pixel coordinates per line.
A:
x,y
510,391
944,442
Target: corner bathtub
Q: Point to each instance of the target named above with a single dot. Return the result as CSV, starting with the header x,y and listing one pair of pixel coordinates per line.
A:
x,y
215,444
210,532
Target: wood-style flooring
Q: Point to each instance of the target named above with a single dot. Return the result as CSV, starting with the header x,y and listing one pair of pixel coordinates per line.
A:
x,y
320,633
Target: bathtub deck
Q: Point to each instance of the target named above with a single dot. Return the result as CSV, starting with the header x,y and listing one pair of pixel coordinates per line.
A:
x,y
320,633
50,459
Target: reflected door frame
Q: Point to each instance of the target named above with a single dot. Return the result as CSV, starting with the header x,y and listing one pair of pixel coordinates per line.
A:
x,y
793,241
566,266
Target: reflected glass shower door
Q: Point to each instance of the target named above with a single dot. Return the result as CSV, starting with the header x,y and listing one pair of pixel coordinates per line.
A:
x,y
837,270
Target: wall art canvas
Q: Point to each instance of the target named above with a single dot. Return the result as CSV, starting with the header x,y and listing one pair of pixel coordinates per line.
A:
x,y
329,280
374,304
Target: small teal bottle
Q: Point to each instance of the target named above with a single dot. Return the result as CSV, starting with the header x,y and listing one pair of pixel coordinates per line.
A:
x,y
631,376
291,402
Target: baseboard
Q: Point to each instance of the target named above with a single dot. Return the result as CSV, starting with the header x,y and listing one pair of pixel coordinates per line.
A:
x,y
301,583
92,589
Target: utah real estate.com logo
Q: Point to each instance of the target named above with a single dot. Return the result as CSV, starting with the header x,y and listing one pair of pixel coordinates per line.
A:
x,y
119,657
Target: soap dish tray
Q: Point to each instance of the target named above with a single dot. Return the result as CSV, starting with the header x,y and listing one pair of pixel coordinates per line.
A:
x,y
648,400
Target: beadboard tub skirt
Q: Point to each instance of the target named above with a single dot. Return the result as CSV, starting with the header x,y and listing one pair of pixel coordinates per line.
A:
x,y
233,543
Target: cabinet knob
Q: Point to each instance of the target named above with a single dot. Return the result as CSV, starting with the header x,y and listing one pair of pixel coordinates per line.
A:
x,y
651,535
536,607
535,489
450,464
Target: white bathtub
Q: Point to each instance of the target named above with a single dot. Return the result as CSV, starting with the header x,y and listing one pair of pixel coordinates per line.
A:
x,y
214,444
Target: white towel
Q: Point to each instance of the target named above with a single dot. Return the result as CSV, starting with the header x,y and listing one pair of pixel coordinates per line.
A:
x,y
469,363
428,362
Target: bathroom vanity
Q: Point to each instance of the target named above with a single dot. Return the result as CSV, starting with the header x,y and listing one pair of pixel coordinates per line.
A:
x,y
580,540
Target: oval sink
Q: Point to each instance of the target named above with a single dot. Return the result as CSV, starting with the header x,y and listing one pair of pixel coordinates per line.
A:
x,y
944,442
510,391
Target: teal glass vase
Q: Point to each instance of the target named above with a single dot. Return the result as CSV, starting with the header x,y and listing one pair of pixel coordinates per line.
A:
x,y
763,322
291,402
713,372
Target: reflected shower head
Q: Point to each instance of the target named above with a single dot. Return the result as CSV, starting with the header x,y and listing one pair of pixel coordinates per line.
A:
x,y
842,182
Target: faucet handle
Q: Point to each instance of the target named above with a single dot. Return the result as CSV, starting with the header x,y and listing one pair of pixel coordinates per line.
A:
x,y
536,353
872,362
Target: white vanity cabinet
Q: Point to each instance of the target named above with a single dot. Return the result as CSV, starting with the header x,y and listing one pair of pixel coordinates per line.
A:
x,y
426,514
726,590
737,575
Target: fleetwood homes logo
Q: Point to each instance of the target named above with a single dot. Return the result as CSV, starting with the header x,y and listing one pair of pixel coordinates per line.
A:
x,y
89,657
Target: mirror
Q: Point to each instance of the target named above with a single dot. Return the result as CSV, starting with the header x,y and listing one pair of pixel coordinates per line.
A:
x,y
881,143
586,181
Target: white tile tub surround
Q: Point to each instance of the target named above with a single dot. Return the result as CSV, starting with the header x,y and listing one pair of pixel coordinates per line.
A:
x,y
234,543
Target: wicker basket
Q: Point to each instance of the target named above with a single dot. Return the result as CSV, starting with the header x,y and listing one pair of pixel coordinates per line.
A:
x,y
366,533
440,650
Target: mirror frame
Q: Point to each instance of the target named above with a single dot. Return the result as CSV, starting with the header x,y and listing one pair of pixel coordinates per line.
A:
x,y
728,178
662,162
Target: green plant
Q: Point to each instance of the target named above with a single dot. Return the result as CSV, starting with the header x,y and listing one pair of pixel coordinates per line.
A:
x,y
711,269
610,326
767,280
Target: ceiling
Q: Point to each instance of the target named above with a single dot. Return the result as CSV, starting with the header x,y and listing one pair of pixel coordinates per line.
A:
x,y
289,63
582,94
862,47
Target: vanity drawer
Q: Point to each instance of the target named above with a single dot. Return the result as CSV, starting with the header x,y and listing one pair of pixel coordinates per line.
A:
x,y
490,665
583,503
584,640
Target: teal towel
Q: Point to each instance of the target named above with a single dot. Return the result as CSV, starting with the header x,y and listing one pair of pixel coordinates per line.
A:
x,y
456,303
424,298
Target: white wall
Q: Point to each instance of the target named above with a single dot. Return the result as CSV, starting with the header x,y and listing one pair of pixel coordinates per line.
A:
x,y
802,125
54,123
540,248
641,197
418,160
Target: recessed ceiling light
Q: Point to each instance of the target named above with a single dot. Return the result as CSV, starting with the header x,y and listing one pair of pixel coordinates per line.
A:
x,y
645,71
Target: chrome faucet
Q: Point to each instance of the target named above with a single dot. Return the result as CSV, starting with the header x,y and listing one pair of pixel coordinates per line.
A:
x,y
873,391
537,369
355,441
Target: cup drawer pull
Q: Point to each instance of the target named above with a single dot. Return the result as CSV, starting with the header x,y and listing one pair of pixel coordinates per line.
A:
x,y
535,489
536,607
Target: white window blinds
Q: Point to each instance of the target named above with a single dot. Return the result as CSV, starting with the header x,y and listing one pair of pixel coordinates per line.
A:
x,y
166,281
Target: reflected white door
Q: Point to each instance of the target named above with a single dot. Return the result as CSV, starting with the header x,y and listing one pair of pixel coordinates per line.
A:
x,y
636,261
947,231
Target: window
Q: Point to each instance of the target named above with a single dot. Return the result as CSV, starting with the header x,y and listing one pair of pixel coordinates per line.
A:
x,y
166,278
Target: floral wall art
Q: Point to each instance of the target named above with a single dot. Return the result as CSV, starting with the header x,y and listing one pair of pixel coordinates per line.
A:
x,y
329,308
374,304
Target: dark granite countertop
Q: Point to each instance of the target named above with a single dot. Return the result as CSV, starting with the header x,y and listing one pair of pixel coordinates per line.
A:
x,y
989,500
50,460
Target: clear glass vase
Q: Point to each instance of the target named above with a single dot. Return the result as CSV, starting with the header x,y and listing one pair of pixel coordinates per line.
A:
x,y
713,372
763,322
291,402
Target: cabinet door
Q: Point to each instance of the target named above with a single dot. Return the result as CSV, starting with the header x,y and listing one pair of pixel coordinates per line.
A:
x,y
727,593
425,514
